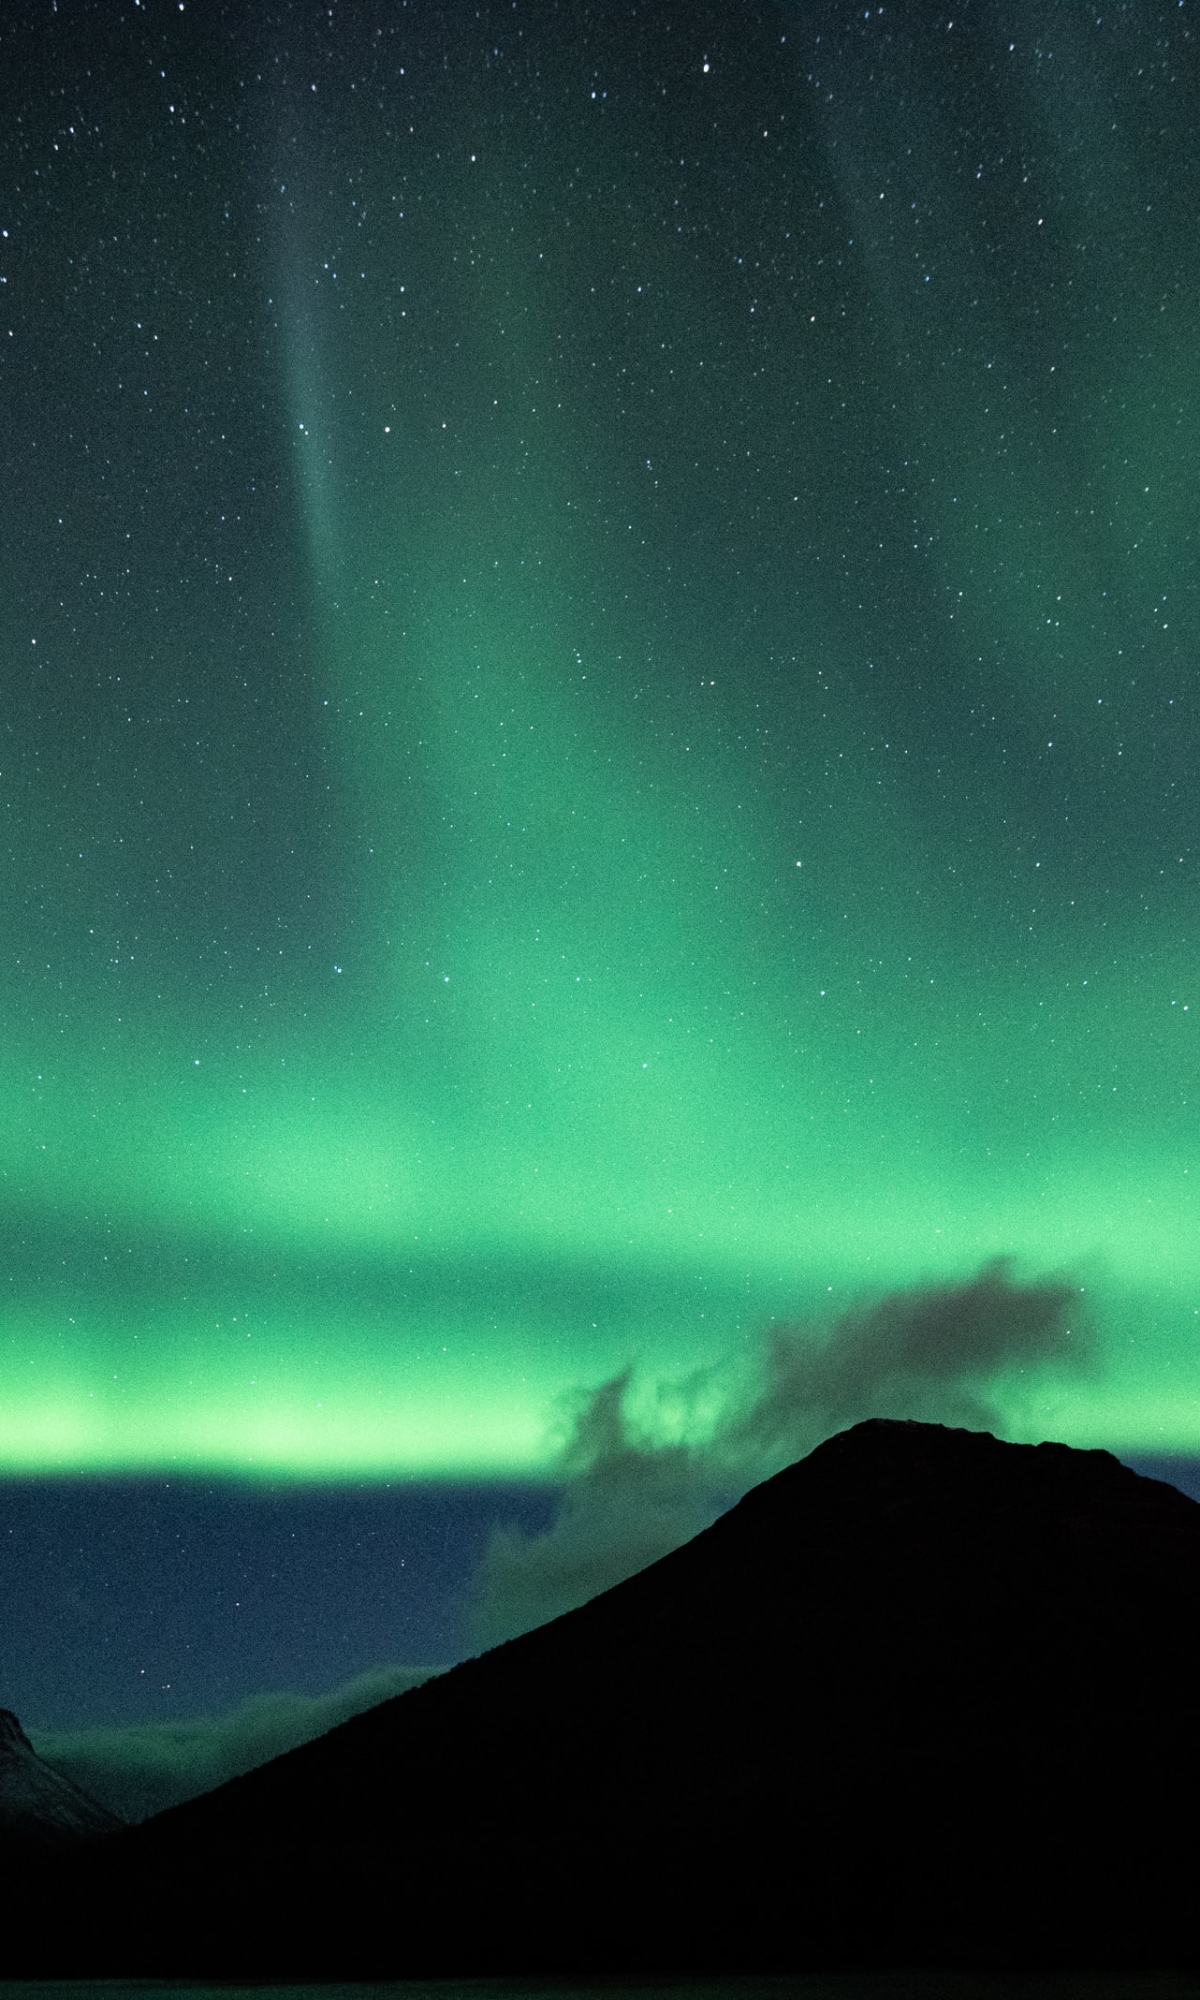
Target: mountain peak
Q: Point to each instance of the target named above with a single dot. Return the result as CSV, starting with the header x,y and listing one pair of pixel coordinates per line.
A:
x,y
37,1804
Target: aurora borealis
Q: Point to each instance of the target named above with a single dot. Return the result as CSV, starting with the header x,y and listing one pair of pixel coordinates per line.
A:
x,y
600,713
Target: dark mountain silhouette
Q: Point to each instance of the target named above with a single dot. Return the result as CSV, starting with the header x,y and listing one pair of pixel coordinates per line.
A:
x,y
38,1806
924,1698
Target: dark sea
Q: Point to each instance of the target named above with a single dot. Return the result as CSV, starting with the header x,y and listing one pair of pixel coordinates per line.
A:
x,y
938,1985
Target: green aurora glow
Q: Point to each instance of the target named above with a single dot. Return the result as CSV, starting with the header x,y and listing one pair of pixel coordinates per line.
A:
x,y
609,750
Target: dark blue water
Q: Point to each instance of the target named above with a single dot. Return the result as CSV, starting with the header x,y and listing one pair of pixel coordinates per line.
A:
x,y
807,1986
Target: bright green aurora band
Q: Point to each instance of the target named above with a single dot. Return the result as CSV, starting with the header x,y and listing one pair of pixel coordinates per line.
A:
x,y
601,747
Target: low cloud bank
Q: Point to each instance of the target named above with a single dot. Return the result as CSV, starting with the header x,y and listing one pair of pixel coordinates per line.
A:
x,y
930,1352
144,1768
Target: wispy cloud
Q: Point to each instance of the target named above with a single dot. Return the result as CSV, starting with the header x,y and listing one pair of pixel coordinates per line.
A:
x,y
139,1770
931,1352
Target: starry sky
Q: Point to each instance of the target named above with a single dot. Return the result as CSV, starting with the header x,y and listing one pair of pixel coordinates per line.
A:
x,y
598,642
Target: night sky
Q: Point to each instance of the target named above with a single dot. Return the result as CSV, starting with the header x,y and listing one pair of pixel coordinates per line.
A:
x,y
599,726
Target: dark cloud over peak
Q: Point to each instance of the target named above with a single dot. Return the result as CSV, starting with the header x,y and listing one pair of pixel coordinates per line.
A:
x,y
626,1501
931,1352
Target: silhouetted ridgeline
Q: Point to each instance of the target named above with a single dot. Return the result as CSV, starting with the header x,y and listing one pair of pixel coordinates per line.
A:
x,y
924,1698
39,1807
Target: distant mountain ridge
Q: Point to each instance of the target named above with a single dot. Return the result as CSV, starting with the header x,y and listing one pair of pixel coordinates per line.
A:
x,y
39,1805
924,1698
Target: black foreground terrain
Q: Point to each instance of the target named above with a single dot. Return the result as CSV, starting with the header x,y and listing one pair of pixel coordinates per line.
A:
x,y
924,1698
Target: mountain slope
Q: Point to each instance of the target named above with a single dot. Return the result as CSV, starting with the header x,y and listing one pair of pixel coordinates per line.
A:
x,y
924,1697
38,1805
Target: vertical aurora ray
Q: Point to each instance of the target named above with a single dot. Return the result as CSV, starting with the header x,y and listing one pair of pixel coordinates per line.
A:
x,y
708,731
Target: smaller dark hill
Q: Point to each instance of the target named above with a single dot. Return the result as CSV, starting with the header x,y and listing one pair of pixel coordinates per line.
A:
x,y
924,1698
39,1808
